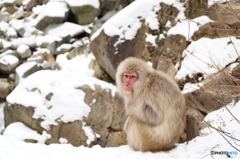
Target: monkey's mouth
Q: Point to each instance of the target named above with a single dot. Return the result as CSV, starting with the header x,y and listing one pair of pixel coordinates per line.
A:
x,y
127,88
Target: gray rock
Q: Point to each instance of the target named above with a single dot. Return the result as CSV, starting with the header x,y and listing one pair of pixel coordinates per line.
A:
x,y
32,3
106,119
8,63
111,50
24,70
84,14
10,52
62,30
18,25
13,2
51,16
24,51
64,48
4,16
5,45
29,41
4,89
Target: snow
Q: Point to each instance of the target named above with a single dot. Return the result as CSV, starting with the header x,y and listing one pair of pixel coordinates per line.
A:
x,y
9,1
64,47
22,48
151,39
5,43
74,3
89,133
21,132
60,10
65,105
189,87
24,51
126,23
25,29
201,56
23,69
9,31
187,27
25,2
1,117
38,9
67,102
197,148
40,40
211,2
9,60
30,41
60,29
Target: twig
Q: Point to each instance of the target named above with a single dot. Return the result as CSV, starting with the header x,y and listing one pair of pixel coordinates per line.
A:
x,y
228,141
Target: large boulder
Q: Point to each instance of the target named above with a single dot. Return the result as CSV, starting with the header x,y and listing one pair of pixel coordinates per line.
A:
x,y
71,105
226,13
105,120
226,21
119,38
216,91
195,8
170,54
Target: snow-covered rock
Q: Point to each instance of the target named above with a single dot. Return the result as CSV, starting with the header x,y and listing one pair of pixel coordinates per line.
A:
x,y
59,30
18,14
60,101
64,48
54,12
29,41
8,63
5,45
24,51
201,57
19,26
10,52
121,37
85,11
7,30
24,70
22,132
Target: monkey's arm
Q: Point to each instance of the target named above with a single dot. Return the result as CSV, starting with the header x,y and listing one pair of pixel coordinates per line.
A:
x,y
151,116
156,99
146,113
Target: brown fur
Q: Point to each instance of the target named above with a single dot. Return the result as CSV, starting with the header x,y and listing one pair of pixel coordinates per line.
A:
x,y
155,108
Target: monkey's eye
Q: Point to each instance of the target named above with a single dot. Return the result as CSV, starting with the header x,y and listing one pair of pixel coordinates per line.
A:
x,y
133,76
126,76
130,76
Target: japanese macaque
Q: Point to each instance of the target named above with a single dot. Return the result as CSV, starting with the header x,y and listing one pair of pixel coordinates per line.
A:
x,y
154,105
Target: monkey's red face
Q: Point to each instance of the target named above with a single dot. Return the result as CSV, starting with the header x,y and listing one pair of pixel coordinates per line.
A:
x,y
128,80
